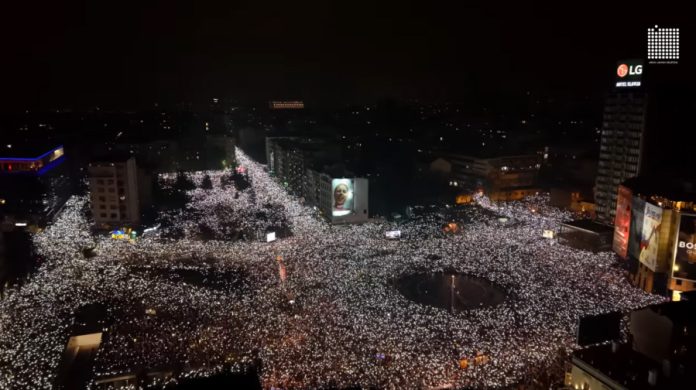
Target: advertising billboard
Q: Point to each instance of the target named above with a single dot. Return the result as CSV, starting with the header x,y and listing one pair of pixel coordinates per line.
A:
x,y
342,197
650,238
622,222
629,73
685,255
636,230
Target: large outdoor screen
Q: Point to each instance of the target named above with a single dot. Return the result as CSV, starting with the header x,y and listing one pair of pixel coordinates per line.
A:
x,y
652,218
685,256
341,197
636,231
622,222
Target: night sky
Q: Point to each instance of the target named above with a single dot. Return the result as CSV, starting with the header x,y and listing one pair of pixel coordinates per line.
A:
x,y
122,55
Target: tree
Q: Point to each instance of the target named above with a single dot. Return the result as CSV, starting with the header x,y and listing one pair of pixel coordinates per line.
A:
x,y
207,184
183,183
241,182
225,181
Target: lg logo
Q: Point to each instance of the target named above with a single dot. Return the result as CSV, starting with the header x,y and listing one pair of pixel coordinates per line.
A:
x,y
632,70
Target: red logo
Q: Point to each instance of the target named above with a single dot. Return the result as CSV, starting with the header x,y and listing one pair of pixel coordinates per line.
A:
x,y
622,71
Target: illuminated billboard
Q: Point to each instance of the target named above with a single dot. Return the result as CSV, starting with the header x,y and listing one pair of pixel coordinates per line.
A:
x,y
622,222
652,218
685,254
629,73
342,197
636,230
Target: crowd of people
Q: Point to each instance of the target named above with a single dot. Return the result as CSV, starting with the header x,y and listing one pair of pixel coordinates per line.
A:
x,y
316,308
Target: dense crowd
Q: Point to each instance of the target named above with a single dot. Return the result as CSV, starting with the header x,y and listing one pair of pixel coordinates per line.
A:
x,y
336,320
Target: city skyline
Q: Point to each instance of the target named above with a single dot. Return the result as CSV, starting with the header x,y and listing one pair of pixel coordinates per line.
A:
x,y
87,55
347,196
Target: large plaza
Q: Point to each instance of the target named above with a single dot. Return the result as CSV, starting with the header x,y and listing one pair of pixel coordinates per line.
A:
x,y
317,308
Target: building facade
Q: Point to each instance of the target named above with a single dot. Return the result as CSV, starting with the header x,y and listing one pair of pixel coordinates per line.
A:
x,y
341,200
501,178
623,131
336,192
620,150
114,193
32,189
289,158
654,233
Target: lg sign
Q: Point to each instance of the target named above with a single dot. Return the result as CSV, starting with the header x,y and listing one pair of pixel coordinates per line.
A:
x,y
632,70
629,73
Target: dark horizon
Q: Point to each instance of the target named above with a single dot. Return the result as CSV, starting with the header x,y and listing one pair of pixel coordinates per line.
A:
x,y
84,55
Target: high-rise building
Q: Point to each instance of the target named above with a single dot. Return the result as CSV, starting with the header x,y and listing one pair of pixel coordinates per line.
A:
x,y
114,193
623,130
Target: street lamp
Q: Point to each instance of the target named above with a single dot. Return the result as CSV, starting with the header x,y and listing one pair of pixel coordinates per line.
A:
x,y
452,294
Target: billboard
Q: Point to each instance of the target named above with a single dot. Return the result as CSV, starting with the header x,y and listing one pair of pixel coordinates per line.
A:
x,y
652,219
342,197
685,254
270,237
636,230
629,73
622,222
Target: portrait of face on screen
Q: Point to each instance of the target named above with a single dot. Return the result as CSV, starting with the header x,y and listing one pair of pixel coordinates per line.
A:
x,y
342,197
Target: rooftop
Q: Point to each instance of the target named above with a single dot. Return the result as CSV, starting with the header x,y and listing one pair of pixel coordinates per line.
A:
x,y
672,188
679,312
630,367
488,155
28,151
624,366
589,226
